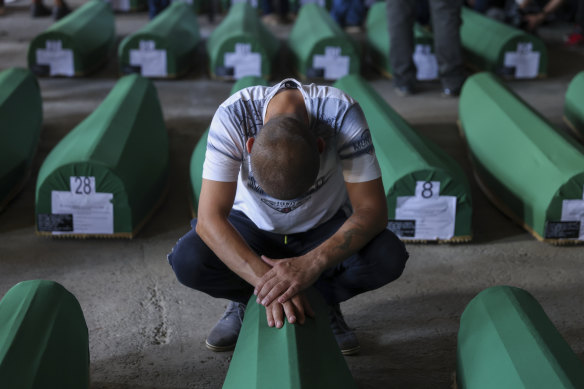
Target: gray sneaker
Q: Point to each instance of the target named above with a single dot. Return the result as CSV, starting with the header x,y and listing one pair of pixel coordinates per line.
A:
x,y
346,338
223,336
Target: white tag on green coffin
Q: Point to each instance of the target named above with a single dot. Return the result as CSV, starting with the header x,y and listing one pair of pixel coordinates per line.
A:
x,y
334,64
93,213
243,61
152,62
573,210
59,60
524,60
426,63
434,215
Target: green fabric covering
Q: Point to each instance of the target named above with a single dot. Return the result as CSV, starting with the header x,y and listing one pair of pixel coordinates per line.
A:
x,y
316,41
574,104
88,33
124,145
378,37
406,157
506,341
174,34
21,119
44,342
487,41
292,357
242,32
198,156
530,185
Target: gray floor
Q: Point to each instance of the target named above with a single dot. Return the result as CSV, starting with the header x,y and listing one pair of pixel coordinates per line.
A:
x,y
148,331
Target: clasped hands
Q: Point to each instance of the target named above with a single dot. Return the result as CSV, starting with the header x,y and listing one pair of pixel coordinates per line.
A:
x,y
280,289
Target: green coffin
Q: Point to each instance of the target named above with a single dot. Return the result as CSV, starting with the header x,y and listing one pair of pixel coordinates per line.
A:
x,y
321,49
378,43
294,356
530,171
21,119
44,341
428,195
165,47
198,156
108,175
241,45
75,45
128,5
574,105
506,341
499,48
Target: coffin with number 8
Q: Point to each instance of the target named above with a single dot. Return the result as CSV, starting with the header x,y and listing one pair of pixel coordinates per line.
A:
x,y
241,45
21,118
499,48
321,49
428,195
75,45
109,174
165,47
530,171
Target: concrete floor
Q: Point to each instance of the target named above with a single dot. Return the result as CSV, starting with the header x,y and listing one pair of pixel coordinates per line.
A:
x,y
147,331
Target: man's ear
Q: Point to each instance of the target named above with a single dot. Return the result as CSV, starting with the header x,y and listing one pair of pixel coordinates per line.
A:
x,y
320,144
249,144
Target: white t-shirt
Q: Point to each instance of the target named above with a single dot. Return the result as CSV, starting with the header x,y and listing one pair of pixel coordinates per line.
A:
x,y
348,156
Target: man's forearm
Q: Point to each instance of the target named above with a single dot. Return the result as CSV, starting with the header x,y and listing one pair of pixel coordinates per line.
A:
x,y
224,240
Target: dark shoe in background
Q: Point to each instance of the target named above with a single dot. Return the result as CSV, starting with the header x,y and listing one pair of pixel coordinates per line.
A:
x,y
38,10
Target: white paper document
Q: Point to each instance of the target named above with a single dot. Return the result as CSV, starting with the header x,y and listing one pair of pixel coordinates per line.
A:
x,y
434,215
93,213
243,61
573,210
59,60
426,63
152,62
524,60
334,64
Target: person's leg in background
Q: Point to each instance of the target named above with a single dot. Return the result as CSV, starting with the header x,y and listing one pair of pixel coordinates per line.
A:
x,y
401,15
576,38
339,10
446,23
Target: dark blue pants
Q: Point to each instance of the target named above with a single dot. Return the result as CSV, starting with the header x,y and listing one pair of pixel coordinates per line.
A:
x,y
378,263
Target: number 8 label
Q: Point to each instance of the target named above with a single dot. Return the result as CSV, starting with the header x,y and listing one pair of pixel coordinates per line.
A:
x,y
82,185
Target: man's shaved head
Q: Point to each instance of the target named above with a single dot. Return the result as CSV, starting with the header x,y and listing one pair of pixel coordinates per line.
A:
x,y
285,158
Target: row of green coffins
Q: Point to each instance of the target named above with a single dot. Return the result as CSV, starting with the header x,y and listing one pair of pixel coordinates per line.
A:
x,y
240,46
530,171
108,175
488,45
44,342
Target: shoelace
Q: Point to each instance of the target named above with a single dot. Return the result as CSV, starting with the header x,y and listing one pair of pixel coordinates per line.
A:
x,y
234,309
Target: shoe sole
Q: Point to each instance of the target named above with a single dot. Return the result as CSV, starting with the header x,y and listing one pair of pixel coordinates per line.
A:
x,y
219,349
351,351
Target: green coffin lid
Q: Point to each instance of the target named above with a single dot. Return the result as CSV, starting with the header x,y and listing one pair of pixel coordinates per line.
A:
x,y
530,171
119,155
198,156
378,39
321,49
416,173
497,47
44,341
241,45
165,47
75,45
574,105
21,119
506,341
295,356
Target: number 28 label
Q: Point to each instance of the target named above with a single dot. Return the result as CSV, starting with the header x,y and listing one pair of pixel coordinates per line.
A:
x,y
82,185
